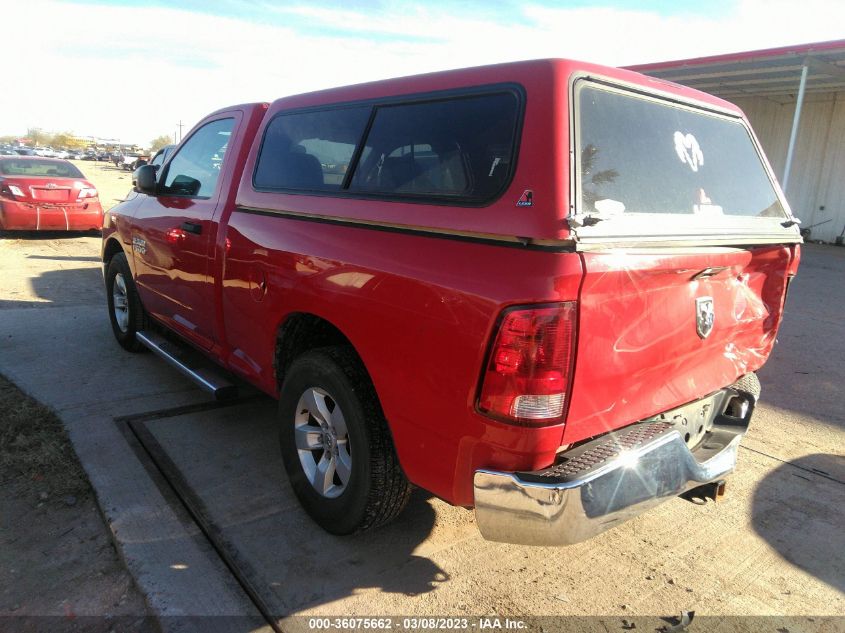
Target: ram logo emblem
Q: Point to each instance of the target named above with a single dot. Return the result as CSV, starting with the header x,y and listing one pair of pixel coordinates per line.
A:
x,y
704,316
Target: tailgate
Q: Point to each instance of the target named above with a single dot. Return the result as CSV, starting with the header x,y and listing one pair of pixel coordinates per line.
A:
x,y
646,340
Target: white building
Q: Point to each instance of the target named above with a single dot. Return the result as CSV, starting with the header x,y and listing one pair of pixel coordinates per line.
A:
x,y
795,100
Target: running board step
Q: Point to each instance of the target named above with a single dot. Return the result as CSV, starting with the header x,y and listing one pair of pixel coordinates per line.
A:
x,y
181,358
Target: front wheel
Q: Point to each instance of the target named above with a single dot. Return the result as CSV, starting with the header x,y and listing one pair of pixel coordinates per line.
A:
x,y
336,446
125,310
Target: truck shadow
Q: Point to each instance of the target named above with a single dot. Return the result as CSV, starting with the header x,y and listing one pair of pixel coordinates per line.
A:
x,y
225,466
797,509
65,258
58,288
47,235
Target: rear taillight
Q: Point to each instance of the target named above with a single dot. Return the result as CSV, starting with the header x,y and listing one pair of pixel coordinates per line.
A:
x,y
10,191
87,192
529,369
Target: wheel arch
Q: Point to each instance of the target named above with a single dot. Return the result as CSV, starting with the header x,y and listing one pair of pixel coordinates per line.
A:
x,y
301,332
111,248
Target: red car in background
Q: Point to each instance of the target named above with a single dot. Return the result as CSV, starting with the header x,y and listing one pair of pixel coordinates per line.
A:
x,y
46,194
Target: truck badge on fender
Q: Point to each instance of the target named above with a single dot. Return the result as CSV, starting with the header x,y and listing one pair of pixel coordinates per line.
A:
x,y
704,316
139,245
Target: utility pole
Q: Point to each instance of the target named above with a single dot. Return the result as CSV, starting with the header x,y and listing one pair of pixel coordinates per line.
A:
x,y
179,128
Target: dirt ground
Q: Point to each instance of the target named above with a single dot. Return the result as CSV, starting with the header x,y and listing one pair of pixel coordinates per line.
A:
x,y
57,558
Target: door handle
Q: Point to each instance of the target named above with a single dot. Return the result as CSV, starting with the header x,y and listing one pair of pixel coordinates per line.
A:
x,y
175,236
192,227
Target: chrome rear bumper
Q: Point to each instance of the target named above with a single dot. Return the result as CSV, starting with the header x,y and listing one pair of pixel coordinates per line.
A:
x,y
609,480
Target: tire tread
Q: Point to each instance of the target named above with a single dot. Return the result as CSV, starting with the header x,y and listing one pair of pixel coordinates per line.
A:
x,y
390,489
387,490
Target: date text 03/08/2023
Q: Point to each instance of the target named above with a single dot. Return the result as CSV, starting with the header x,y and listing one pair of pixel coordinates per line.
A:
x,y
416,623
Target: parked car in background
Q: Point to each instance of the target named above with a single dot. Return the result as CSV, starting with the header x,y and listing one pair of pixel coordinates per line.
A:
x,y
46,194
158,159
7,152
133,160
61,153
25,151
161,156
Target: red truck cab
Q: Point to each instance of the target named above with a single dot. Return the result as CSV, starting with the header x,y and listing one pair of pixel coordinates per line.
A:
x,y
541,289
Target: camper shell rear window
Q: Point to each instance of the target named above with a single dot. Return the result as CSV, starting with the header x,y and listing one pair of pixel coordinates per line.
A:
x,y
638,154
446,149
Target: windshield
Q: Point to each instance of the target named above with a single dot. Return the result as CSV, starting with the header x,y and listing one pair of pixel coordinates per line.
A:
x,y
641,155
33,167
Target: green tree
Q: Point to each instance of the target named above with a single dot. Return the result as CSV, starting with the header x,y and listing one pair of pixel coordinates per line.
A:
x,y
8,139
159,142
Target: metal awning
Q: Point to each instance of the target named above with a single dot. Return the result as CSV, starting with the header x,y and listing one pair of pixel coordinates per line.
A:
x,y
781,74
771,73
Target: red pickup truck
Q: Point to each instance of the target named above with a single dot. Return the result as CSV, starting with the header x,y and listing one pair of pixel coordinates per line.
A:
x,y
538,289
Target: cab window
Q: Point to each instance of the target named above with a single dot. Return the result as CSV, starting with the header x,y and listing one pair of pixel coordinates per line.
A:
x,y
310,150
194,171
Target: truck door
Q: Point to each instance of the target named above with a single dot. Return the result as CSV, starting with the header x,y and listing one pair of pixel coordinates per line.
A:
x,y
174,232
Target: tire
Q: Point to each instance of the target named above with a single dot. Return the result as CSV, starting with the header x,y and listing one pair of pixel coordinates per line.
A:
x,y
359,483
126,313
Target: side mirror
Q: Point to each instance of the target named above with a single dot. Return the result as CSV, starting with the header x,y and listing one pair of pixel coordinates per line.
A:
x,y
145,179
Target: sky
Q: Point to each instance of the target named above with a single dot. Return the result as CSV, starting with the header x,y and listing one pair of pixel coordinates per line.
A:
x,y
134,69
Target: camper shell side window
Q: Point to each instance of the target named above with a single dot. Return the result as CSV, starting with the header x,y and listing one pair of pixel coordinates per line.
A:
x,y
456,149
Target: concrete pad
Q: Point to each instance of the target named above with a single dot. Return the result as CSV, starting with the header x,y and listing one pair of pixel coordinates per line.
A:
x,y
68,359
742,556
802,409
232,473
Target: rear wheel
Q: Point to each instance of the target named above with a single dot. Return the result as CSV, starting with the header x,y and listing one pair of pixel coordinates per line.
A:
x,y
336,445
125,310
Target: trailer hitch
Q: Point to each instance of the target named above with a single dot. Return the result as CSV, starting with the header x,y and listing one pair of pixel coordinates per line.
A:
x,y
699,495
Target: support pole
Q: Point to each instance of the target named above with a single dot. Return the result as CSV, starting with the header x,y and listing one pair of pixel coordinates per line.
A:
x,y
795,120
